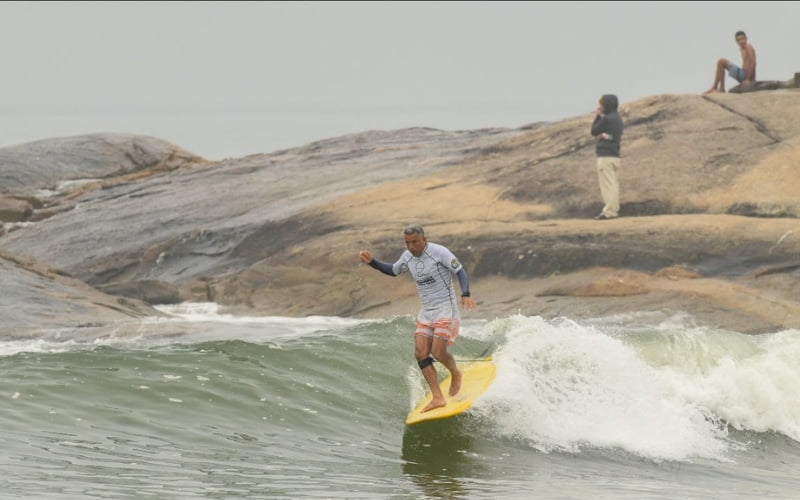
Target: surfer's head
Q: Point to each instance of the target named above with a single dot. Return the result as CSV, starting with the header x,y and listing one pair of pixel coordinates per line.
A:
x,y
415,239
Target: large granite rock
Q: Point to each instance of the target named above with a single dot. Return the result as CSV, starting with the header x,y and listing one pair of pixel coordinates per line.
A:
x,y
709,220
54,164
38,299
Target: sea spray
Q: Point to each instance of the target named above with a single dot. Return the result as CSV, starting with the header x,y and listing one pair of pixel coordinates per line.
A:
x,y
563,386
213,405
748,381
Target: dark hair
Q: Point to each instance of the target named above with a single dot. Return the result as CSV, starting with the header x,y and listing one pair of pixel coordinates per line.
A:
x,y
414,229
740,32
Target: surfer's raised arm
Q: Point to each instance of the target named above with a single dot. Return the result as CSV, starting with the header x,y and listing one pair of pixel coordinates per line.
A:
x,y
384,267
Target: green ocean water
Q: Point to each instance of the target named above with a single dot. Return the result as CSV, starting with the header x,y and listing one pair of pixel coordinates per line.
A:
x,y
204,405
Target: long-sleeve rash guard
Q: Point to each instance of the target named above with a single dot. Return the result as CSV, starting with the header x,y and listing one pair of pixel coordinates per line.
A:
x,y
433,273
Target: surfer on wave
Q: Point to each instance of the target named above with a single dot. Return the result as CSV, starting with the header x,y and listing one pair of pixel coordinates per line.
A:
x,y
433,267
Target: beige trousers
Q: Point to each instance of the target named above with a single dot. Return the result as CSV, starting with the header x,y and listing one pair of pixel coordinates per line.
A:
x,y
607,169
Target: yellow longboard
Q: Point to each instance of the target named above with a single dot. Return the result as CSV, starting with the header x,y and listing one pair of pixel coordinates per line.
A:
x,y
477,377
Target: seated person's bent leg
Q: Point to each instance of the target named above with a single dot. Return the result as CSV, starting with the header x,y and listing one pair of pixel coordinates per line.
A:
x,y
736,72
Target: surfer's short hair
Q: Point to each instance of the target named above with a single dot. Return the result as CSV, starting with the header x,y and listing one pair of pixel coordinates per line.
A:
x,y
740,32
414,229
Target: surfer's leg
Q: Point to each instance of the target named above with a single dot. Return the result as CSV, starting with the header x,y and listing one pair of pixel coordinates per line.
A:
x,y
444,334
440,353
423,340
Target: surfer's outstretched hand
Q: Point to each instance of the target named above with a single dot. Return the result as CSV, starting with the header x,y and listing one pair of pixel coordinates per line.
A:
x,y
365,256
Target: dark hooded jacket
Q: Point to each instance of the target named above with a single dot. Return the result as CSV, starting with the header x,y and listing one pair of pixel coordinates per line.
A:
x,y
610,123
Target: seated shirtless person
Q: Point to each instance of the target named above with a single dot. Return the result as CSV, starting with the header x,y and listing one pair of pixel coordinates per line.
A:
x,y
746,74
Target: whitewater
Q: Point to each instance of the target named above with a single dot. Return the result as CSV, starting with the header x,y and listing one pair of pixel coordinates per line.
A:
x,y
202,404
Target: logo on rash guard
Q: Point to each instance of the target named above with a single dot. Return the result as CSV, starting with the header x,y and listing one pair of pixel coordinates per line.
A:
x,y
454,263
427,280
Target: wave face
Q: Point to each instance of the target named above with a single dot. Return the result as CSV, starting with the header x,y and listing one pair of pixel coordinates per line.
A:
x,y
206,405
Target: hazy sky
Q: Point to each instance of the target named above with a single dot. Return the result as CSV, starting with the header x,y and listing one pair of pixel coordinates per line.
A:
x,y
544,60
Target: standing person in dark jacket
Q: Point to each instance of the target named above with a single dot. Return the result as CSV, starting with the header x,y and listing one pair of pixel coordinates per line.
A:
x,y
607,129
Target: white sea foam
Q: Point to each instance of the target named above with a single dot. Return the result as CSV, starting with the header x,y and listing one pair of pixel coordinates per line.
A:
x,y
182,323
210,312
748,381
660,395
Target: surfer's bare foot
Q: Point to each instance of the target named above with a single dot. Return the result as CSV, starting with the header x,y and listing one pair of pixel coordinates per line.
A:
x,y
712,91
455,383
435,403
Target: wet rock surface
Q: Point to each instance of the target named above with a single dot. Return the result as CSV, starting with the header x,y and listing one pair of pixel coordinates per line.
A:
x,y
708,227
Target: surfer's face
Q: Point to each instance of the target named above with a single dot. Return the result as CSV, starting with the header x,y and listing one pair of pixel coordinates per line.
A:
x,y
415,243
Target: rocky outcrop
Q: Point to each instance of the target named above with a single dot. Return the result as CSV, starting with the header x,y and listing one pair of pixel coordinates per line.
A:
x,y
15,209
39,179
37,299
791,83
709,220
150,291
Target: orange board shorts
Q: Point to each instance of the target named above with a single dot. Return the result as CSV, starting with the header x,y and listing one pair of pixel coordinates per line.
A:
x,y
445,329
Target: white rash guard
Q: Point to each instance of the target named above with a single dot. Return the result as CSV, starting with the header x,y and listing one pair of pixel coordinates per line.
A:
x,y
433,273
